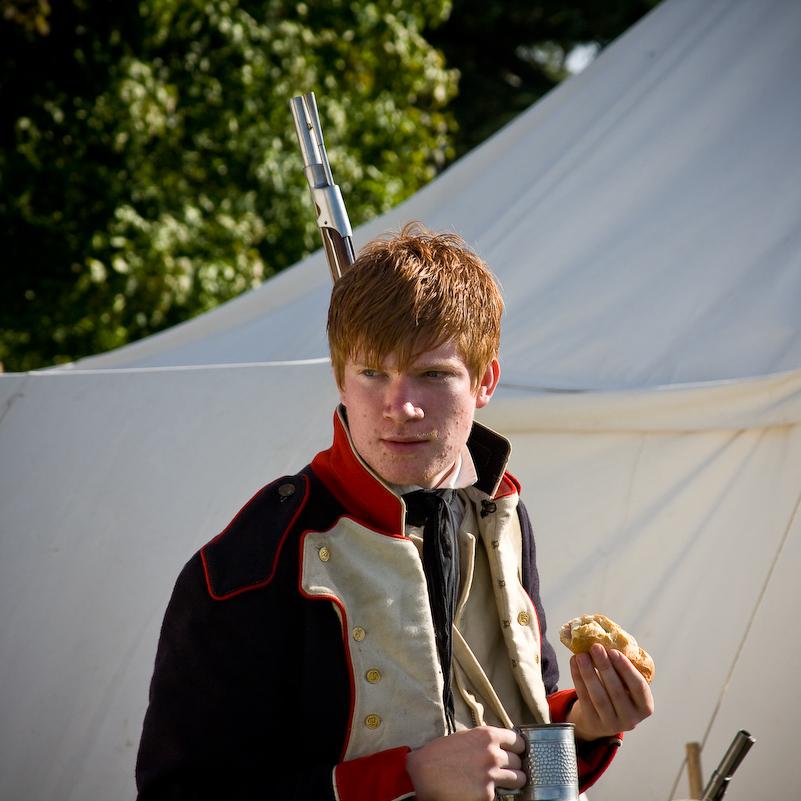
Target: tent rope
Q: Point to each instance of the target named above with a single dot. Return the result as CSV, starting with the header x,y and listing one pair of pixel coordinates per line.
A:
x,y
746,634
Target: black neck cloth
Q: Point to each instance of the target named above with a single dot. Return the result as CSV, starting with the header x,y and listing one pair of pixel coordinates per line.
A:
x,y
432,510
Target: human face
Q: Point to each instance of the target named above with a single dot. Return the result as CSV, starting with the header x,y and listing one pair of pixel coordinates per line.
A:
x,y
410,425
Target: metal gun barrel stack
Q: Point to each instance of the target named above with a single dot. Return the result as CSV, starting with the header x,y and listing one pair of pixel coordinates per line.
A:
x,y
332,217
719,781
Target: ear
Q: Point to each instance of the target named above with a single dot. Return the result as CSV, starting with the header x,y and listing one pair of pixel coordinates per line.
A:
x,y
341,388
488,383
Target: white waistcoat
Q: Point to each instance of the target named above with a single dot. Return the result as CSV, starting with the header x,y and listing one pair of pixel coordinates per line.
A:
x,y
377,585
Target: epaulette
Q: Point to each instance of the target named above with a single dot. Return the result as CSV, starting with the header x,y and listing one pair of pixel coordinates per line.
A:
x,y
244,556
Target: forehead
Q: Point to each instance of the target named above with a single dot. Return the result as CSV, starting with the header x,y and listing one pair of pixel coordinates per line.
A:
x,y
449,352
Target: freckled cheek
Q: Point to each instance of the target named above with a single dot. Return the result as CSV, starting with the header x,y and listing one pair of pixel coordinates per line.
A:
x,y
458,430
366,408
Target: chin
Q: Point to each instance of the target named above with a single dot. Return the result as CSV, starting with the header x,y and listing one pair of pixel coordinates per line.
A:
x,y
407,479
419,479
396,469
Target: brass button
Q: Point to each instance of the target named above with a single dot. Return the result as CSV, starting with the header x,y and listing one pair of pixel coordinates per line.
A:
x,y
372,721
359,634
373,676
285,490
524,618
324,554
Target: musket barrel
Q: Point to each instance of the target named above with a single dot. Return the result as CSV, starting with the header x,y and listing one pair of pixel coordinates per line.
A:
x,y
719,781
332,216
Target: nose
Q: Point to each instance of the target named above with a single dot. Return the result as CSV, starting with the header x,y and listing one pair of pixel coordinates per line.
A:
x,y
400,403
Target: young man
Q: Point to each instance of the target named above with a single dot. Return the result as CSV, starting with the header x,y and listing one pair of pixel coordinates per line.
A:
x,y
354,634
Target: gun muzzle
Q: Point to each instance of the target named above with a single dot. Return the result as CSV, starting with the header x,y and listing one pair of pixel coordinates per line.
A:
x,y
719,781
332,217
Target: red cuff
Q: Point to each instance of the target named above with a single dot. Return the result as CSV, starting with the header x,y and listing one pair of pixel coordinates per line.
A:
x,y
592,757
560,703
376,777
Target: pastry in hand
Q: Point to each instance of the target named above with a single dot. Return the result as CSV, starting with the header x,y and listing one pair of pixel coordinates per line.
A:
x,y
581,632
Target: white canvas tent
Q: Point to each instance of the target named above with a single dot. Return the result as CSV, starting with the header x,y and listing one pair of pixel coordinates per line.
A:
x,y
643,220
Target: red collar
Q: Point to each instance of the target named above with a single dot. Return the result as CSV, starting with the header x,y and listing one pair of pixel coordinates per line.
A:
x,y
355,486
358,489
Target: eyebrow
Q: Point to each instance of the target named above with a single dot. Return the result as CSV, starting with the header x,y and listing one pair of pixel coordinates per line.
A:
x,y
422,366
437,365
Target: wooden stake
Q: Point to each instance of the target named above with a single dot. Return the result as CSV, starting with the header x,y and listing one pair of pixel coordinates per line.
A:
x,y
694,773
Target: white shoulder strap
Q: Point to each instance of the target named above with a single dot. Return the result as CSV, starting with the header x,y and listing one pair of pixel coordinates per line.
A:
x,y
469,663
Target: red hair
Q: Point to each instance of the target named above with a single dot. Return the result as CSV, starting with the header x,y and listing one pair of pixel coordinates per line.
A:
x,y
410,292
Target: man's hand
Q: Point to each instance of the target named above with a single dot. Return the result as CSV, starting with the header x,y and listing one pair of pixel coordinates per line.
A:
x,y
467,765
612,694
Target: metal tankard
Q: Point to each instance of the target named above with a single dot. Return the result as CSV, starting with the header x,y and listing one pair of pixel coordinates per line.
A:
x,y
549,763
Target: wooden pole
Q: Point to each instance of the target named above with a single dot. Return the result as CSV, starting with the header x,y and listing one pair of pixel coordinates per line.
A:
x,y
694,773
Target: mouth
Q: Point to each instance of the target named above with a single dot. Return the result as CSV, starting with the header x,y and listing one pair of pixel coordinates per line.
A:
x,y
402,444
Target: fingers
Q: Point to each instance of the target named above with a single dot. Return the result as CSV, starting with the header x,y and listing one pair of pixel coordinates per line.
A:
x,y
467,765
510,740
503,747
508,764
590,695
632,680
613,695
513,745
511,780
512,761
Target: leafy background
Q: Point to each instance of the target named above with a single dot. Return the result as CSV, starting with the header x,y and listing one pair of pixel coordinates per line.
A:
x,y
149,168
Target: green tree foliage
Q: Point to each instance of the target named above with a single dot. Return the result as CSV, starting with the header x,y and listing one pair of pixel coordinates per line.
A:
x,y
32,14
148,163
511,53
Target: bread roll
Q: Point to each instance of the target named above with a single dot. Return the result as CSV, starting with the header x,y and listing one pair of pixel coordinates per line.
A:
x,y
581,632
